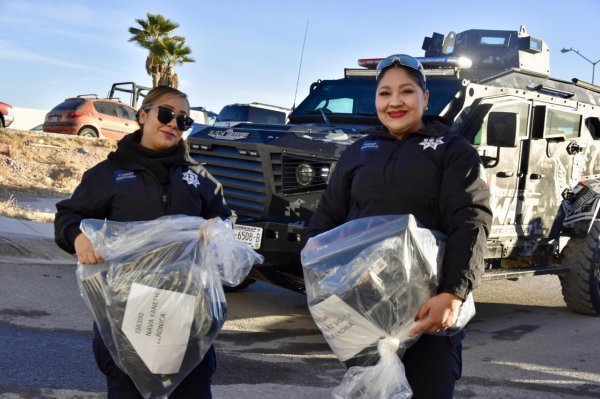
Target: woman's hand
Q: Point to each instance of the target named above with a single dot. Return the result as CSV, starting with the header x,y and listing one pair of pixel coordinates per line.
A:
x,y
85,251
209,229
437,314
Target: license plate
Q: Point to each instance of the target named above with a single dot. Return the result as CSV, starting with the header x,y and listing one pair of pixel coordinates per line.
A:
x,y
249,234
53,119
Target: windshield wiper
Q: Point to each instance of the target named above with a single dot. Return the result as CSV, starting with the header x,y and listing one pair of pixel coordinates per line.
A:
x,y
325,118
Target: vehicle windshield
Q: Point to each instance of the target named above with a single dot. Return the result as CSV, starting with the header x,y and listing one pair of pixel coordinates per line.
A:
x,y
343,96
69,105
248,113
231,113
356,98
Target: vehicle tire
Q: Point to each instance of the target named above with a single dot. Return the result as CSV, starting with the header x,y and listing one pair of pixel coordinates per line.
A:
x,y
87,132
243,285
581,285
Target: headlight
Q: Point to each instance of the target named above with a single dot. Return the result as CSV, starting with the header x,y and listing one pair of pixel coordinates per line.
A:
x,y
305,174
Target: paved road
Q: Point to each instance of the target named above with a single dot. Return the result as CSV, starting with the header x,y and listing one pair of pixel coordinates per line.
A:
x,y
523,343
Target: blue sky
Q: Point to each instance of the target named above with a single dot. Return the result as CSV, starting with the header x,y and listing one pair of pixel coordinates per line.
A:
x,y
250,50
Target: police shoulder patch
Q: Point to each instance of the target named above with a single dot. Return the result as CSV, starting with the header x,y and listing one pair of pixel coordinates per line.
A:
x,y
369,146
124,175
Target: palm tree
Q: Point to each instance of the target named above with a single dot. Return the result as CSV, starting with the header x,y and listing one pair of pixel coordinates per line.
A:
x,y
153,32
175,52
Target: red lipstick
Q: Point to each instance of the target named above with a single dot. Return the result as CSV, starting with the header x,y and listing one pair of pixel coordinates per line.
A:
x,y
396,114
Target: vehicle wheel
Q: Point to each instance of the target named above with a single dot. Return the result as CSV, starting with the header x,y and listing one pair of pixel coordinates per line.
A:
x,y
581,285
243,285
87,132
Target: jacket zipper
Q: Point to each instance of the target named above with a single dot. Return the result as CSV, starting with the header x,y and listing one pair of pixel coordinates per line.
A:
x,y
387,171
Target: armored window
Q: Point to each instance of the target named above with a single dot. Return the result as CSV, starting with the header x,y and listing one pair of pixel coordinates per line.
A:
x,y
561,124
593,125
519,108
337,105
495,41
262,115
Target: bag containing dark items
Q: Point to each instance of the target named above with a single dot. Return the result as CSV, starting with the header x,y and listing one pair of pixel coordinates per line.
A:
x,y
365,282
158,299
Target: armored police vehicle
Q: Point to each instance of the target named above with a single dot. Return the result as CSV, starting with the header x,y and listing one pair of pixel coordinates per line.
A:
x,y
538,138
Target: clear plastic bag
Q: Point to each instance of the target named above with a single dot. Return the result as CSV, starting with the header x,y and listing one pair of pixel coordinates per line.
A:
x,y
157,300
365,282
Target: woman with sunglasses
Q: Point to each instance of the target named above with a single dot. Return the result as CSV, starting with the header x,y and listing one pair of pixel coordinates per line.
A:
x,y
148,176
411,164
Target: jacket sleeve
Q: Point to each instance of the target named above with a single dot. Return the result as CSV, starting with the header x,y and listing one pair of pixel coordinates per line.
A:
x,y
334,203
91,199
217,207
466,218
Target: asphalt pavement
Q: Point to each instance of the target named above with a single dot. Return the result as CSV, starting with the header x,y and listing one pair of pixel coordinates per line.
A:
x,y
32,241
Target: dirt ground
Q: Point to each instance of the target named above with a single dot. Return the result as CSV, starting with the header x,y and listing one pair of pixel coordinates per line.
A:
x,y
44,165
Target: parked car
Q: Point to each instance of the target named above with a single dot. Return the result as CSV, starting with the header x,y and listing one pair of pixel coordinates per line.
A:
x,y
90,116
203,116
254,112
6,115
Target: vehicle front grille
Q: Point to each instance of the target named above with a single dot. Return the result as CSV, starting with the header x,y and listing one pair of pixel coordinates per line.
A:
x,y
241,175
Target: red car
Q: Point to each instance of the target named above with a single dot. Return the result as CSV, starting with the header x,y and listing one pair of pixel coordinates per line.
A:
x,y
6,115
91,117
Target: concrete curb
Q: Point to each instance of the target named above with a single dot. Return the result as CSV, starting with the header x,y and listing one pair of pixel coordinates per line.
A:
x,y
32,249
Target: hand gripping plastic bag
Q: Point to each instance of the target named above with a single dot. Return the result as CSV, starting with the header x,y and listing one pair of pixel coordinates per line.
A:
x,y
157,300
365,282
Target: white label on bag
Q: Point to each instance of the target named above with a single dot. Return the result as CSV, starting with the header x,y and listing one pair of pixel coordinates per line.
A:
x,y
157,323
346,331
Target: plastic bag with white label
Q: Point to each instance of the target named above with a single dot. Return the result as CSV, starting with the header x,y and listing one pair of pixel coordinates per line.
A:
x,y
365,282
157,300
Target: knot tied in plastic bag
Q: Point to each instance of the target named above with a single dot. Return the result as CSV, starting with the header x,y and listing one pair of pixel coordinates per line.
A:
x,y
158,299
365,282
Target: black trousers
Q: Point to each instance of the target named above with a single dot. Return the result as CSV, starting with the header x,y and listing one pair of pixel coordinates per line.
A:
x,y
433,364
195,386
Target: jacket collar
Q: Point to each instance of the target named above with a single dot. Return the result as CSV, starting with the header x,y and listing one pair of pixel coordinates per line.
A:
x,y
433,126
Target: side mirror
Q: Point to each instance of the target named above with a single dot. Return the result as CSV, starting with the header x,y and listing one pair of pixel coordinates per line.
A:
x,y
502,128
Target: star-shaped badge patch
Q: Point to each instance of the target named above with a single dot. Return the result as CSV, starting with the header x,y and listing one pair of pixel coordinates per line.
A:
x,y
431,142
191,178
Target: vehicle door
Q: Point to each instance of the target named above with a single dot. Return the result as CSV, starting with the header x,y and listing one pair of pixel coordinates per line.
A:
x,y
554,163
128,117
503,165
109,122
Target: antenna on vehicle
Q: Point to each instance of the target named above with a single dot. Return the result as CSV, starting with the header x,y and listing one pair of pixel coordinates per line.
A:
x,y
300,67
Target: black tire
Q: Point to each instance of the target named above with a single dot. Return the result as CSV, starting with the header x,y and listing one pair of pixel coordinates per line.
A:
x,y
581,285
243,285
87,132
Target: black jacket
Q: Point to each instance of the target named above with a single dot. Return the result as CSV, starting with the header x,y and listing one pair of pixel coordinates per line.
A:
x,y
136,184
430,174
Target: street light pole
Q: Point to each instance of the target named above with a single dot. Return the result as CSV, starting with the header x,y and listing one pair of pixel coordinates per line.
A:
x,y
565,50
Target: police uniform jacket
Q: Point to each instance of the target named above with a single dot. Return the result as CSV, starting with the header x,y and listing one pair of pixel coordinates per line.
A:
x,y
138,184
435,176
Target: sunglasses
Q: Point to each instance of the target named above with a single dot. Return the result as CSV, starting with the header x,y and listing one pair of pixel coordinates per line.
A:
x,y
404,60
165,115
